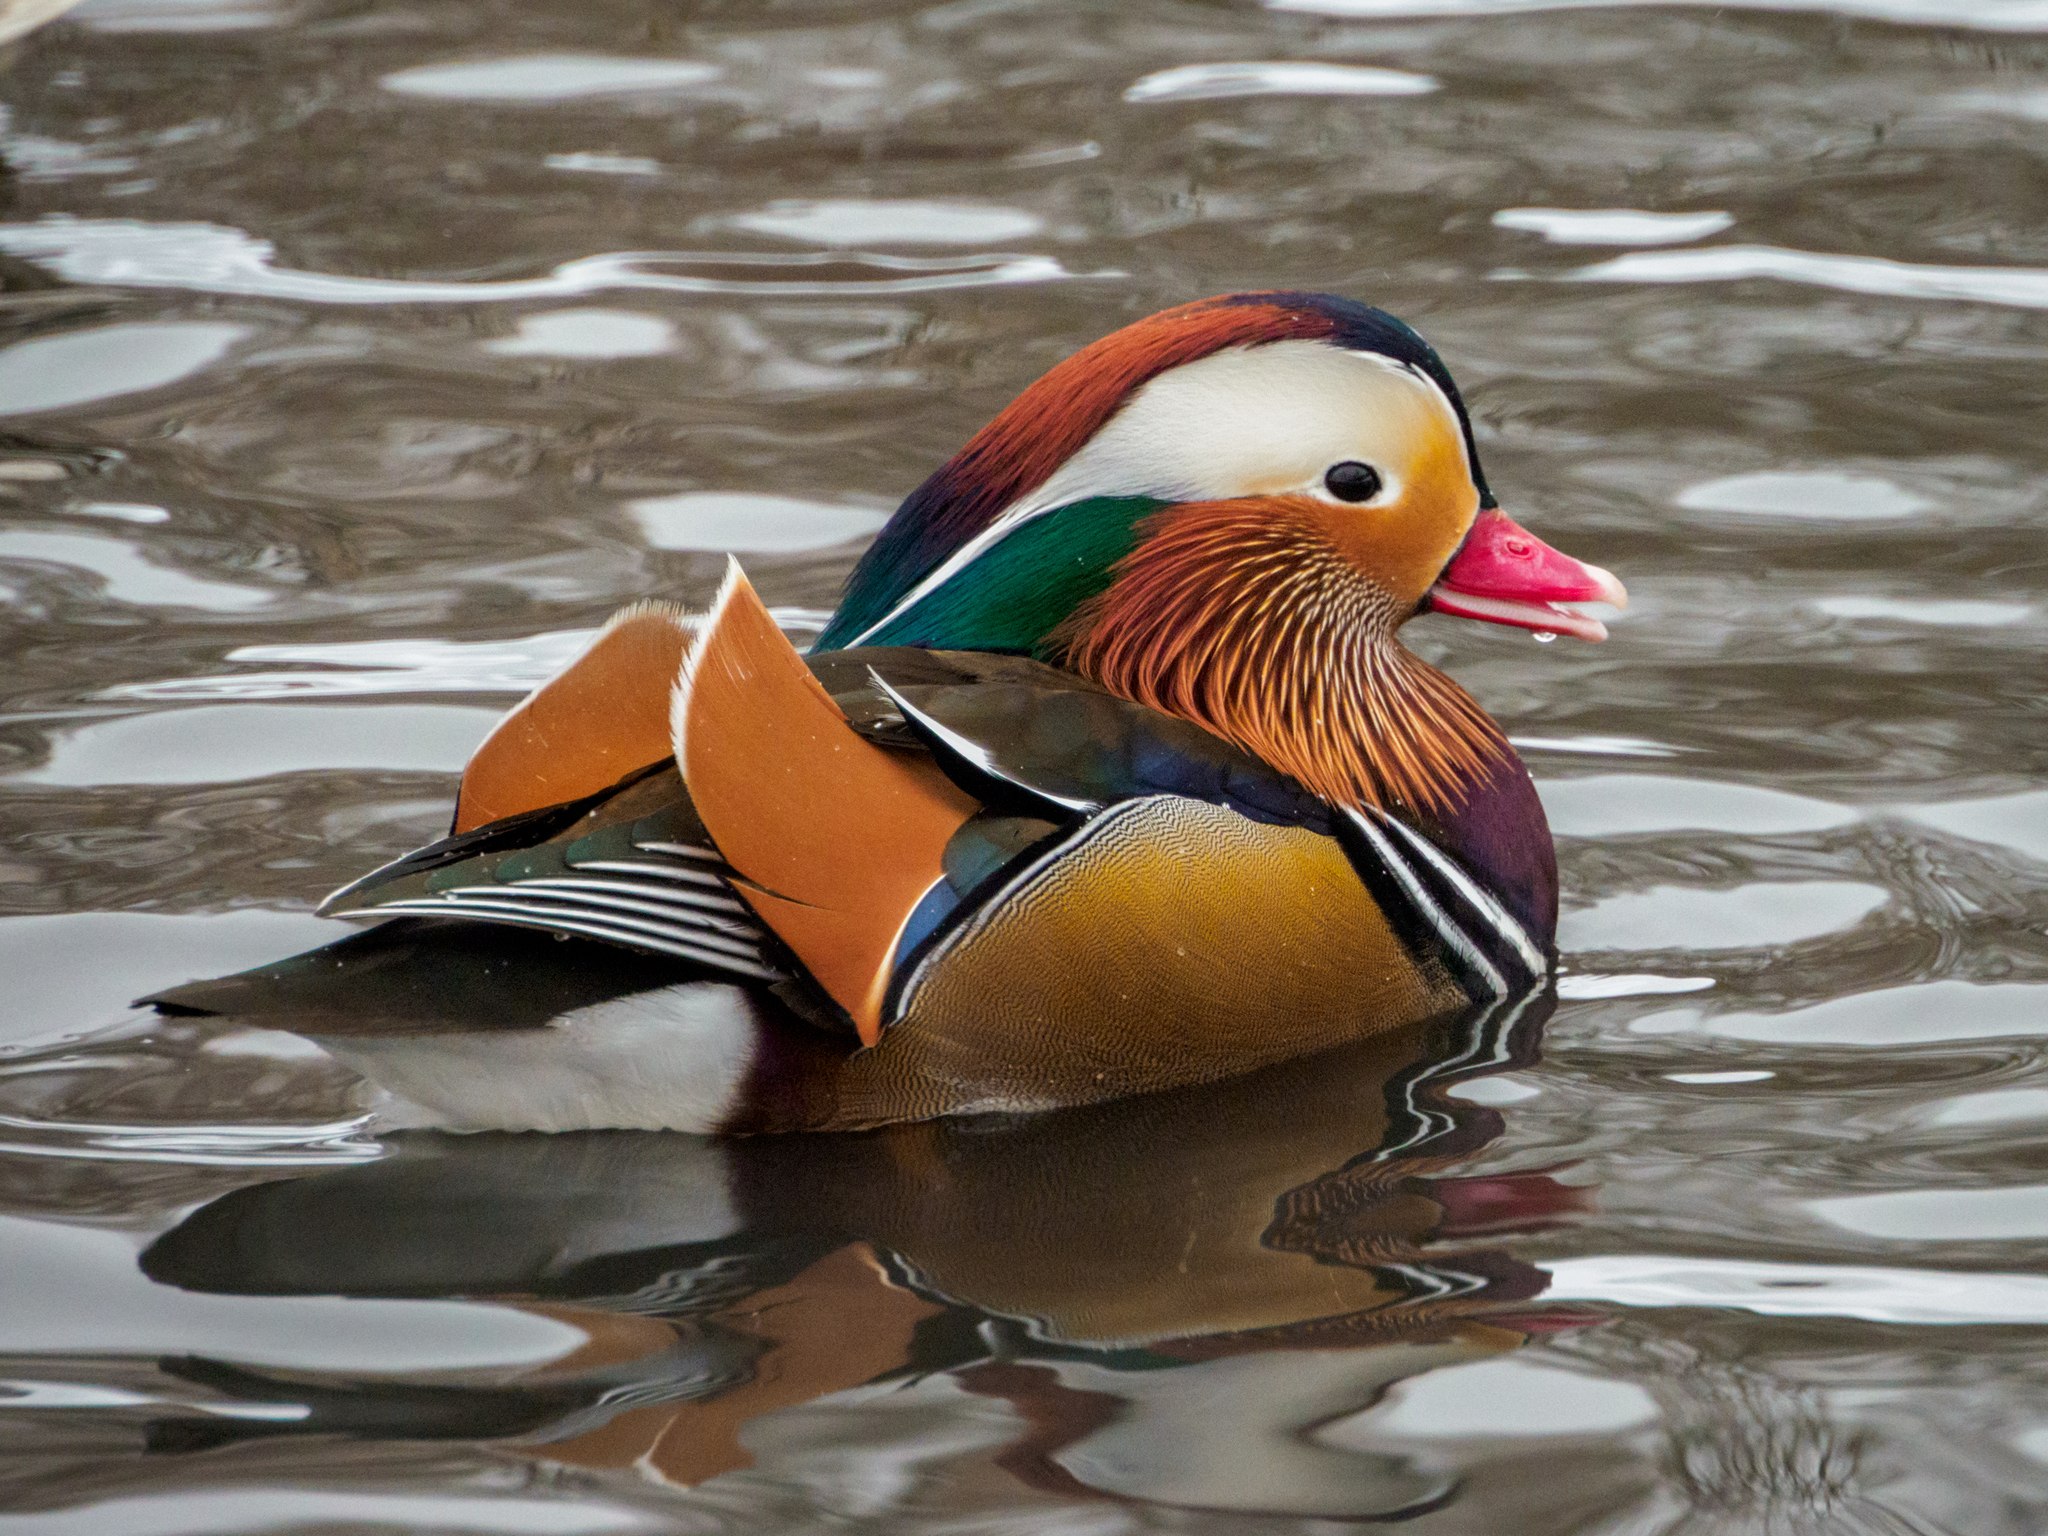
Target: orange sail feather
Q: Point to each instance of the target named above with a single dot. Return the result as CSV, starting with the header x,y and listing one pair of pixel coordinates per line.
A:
x,y
586,728
836,839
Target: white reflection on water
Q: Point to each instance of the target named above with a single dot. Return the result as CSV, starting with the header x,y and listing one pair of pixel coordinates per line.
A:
x,y
2021,287
1718,1079
548,77
1923,1297
1947,613
1941,1215
1921,1014
587,333
1588,986
122,511
1204,82
1596,746
351,668
207,258
741,522
1168,1441
1985,15
1998,1107
1492,1090
17,1394
294,1506
227,743
78,1290
1623,804
50,373
1765,914
2018,822
367,668
1613,226
124,575
849,221
1498,1398
1819,493
69,970
602,164
175,15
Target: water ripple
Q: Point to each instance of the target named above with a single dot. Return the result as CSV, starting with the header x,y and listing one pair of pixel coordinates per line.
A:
x,y
1924,1297
853,222
2020,287
195,1146
351,668
548,77
1613,226
51,373
1205,82
210,258
1984,15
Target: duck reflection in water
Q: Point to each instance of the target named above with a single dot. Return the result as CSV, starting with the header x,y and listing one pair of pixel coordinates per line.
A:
x,y
1296,1241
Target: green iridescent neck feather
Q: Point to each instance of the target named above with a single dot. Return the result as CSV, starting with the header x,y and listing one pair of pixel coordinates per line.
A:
x,y
1011,596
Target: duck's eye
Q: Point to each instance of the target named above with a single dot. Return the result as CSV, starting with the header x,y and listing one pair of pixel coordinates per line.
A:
x,y
1352,481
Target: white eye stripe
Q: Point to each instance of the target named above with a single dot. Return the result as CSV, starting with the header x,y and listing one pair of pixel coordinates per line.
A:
x,y
1262,420
1454,937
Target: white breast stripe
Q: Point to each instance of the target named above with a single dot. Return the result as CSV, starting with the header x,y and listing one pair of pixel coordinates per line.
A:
x,y
1455,938
1483,903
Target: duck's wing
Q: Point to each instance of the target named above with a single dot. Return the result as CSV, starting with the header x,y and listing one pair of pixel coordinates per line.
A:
x,y
601,718
864,799
630,865
425,976
573,820
1033,739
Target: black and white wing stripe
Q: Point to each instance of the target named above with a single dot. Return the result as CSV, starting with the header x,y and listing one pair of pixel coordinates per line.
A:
x,y
632,883
1478,936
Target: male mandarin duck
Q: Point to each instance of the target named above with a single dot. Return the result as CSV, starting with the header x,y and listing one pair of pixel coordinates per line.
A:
x,y
1109,775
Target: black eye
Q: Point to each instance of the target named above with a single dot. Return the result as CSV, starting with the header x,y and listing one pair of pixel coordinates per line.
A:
x,y
1352,481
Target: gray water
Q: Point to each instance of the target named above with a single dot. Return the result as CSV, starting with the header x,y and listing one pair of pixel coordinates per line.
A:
x,y
357,359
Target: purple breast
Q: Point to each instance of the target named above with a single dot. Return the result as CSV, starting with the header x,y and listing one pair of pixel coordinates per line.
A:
x,y
1503,838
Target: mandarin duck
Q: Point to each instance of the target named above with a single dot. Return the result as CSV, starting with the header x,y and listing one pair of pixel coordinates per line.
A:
x,y
1109,775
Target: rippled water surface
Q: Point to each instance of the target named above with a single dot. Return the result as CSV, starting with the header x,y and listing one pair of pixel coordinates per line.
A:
x,y
359,358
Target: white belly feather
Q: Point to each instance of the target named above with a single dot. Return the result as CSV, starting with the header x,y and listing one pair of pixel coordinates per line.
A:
x,y
673,1059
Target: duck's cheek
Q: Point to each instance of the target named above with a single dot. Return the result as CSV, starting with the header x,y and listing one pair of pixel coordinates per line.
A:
x,y
1401,546
1402,543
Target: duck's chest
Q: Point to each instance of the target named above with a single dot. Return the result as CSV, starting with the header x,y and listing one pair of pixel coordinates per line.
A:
x,y
1163,942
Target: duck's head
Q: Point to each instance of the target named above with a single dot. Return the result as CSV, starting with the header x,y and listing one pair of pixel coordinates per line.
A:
x,y
1226,510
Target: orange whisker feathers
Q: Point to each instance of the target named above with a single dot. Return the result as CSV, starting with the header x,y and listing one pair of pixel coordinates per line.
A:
x,y
1243,619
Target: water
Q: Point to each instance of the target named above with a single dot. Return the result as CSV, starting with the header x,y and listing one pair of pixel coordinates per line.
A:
x,y
357,359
